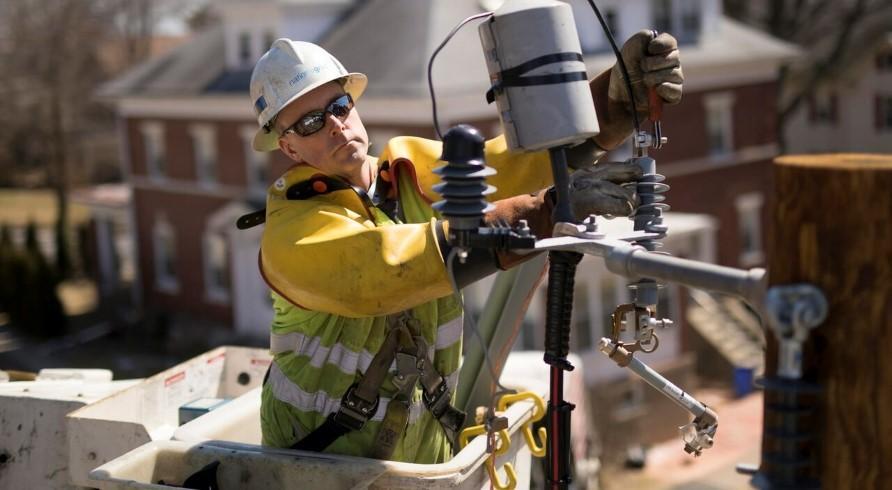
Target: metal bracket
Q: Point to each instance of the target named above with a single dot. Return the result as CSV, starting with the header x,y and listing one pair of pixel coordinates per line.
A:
x,y
793,311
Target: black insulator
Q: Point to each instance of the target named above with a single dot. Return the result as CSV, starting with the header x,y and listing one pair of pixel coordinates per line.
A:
x,y
464,178
559,307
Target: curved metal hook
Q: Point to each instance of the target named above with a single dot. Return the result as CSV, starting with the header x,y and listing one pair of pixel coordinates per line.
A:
x,y
494,475
537,449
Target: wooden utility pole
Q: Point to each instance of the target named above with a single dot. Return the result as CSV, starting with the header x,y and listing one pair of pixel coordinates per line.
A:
x,y
832,227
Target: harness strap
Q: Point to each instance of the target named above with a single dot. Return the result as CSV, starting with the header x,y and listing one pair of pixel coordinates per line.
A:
x,y
358,404
316,185
396,419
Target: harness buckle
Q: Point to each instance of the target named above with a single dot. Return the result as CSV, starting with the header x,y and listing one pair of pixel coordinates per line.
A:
x,y
355,411
438,401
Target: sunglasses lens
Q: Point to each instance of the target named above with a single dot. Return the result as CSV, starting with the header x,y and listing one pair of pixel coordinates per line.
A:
x,y
341,106
310,123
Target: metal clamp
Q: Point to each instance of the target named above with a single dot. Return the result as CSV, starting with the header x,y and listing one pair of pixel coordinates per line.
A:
x,y
646,339
355,411
437,401
793,312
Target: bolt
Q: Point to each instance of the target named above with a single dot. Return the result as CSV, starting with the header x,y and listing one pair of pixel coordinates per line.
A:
x,y
591,223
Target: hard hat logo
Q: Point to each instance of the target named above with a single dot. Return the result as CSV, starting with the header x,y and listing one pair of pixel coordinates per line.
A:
x,y
287,71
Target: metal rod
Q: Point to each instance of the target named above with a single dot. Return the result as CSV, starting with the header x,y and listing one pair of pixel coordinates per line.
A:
x,y
631,261
562,211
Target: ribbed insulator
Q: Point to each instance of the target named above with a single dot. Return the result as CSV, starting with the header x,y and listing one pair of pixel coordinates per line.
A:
x,y
464,178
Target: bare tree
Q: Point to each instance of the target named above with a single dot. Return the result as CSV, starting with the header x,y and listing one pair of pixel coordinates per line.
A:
x,y
51,63
826,29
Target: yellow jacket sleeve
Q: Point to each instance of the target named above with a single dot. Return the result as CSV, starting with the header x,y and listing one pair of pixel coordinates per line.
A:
x,y
326,257
517,172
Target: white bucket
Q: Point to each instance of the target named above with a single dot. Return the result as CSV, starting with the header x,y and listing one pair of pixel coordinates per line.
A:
x,y
245,465
149,410
33,434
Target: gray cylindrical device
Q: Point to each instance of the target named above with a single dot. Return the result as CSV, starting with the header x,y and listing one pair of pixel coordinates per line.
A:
x,y
539,81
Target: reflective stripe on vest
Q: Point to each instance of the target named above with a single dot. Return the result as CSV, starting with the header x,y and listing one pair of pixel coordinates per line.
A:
x,y
447,334
286,391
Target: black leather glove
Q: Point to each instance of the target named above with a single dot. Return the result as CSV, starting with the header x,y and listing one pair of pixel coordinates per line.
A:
x,y
605,189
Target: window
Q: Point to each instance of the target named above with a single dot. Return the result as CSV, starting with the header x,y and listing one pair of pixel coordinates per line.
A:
x,y
164,244
268,39
153,142
610,18
690,21
244,48
822,108
216,266
883,112
719,127
884,60
379,137
204,153
662,13
749,220
256,164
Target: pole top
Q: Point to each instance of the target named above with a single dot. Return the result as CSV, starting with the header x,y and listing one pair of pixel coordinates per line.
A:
x,y
838,161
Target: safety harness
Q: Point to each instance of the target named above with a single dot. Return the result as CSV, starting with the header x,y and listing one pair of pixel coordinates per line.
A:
x,y
407,349
404,347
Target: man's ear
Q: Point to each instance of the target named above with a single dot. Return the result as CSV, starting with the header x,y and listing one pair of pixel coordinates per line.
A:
x,y
289,150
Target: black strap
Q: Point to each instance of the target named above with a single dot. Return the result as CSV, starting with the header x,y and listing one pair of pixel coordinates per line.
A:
x,y
312,187
513,77
322,436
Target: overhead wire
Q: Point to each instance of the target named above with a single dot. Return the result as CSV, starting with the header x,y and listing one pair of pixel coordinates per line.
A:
x,y
620,62
430,66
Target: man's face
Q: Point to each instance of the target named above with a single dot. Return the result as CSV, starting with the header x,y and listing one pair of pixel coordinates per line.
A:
x,y
339,148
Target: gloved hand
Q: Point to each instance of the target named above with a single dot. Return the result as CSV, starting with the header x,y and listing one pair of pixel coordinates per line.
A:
x,y
599,189
652,62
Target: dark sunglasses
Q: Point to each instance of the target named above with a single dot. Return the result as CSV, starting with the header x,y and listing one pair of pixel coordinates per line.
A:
x,y
313,121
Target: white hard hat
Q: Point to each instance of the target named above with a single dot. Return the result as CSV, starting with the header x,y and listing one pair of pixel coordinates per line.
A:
x,y
288,70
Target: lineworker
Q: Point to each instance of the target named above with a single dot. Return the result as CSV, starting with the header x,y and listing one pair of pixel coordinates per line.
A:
x,y
355,255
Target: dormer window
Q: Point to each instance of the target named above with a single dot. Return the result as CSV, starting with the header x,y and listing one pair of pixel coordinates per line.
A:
x,y
268,38
682,18
244,48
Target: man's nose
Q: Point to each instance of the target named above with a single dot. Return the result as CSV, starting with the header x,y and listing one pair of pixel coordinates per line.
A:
x,y
335,124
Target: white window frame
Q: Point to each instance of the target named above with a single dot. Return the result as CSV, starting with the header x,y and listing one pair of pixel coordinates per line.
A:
x,y
749,219
162,232
216,293
254,162
204,154
720,117
153,143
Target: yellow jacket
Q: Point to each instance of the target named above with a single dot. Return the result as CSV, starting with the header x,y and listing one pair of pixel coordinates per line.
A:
x,y
330,253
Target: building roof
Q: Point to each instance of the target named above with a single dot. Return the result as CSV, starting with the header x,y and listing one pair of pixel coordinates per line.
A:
x,y
188,69
396,63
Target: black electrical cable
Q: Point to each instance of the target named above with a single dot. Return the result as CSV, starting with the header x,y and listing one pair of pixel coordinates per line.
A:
x,y
430,66
622,64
